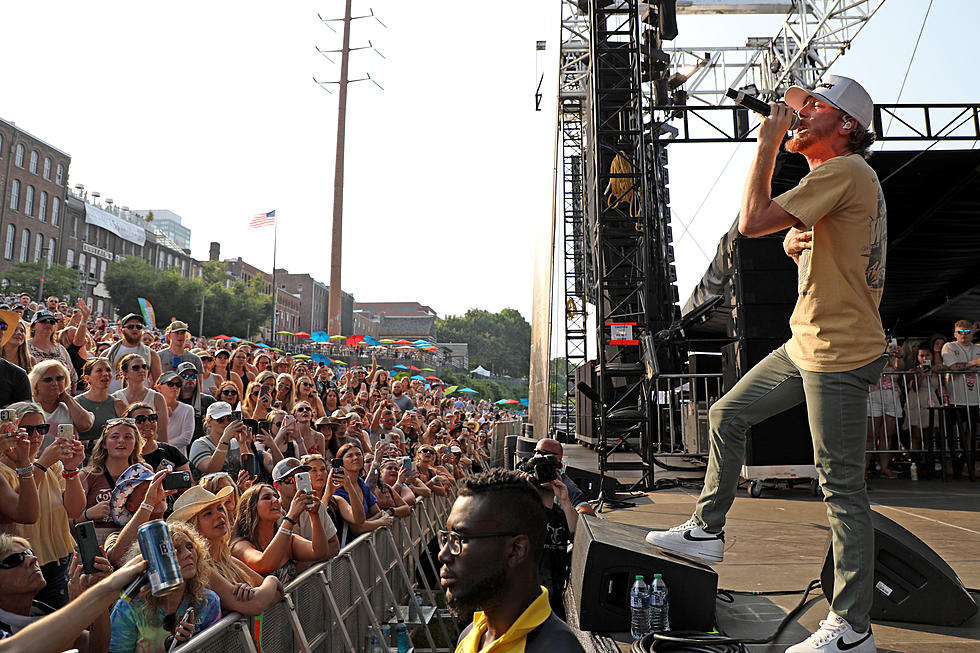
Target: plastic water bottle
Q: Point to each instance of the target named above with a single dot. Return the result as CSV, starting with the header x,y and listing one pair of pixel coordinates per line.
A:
x,y
914,472
659,605
374,645
639,608
401,637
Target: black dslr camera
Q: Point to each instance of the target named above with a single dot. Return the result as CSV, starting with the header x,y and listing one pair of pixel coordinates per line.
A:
x,y
540,468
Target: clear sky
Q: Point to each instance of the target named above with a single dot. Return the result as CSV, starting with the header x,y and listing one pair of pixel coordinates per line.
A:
x,y
209,109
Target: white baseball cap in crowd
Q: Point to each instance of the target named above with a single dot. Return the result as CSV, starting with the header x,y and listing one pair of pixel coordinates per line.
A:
x,y
842,92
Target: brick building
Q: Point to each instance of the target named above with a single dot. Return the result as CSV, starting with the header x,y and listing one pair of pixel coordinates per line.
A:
x,y
33,178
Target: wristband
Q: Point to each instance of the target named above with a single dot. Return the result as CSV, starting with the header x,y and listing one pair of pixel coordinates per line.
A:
x,y
85,514
41,467
147,507
290,520
287,531
25,471
70,473
217,446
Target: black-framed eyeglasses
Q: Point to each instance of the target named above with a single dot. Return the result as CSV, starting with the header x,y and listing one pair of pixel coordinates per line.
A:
x,y
455,540
15,560
143,419
136,367
40,429
130,327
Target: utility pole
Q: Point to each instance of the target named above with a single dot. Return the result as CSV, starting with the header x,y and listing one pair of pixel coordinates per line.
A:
x,y
200,330
337,232
44,268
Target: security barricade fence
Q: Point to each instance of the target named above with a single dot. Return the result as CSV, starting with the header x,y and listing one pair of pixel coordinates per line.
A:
x,y
335,606
927,417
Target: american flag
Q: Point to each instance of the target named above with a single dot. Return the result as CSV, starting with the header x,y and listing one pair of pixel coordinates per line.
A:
x,y
263,220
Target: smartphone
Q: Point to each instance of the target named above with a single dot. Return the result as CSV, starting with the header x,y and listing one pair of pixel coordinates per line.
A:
x,y
248,463
165,464
252,424
177,481
66,431
337,463
408,464
264,391
88,545
303,482
7,415
236,415
263,425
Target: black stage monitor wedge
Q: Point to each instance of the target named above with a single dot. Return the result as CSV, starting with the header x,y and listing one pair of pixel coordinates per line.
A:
x,y
911,582
591,483
605,560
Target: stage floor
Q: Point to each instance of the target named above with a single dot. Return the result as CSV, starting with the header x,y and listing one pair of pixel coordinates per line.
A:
x,y
777,542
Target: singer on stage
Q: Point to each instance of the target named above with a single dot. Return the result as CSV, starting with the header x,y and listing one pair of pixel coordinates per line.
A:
x,y
837,236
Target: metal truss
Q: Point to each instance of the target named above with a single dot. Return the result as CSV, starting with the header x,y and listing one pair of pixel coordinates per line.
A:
x,y
814,35
572,79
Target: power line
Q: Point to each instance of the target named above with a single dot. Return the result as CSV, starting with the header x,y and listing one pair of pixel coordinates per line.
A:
x,y
915,49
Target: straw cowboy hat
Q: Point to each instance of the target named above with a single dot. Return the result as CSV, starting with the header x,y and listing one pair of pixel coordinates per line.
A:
x,y
196,499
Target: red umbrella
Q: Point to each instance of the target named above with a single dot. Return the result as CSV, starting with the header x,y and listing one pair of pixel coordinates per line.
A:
x,y
301,334
222,337
355,340
402,342
412,367
432,378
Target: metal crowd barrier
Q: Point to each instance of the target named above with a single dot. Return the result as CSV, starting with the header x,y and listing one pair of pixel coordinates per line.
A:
x,y
336,605
500,432
680,405
930,416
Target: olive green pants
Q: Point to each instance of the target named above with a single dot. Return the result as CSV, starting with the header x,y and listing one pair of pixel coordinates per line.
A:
x,y
837,405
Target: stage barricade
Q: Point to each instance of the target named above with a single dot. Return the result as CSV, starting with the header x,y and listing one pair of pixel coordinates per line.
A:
x,y
680,406
500,432
334,606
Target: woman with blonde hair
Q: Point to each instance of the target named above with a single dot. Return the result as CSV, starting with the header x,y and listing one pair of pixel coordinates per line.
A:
x,y
16,350
239,588
149,623
116,450
134,370
285,392
306,391
258,401
49,381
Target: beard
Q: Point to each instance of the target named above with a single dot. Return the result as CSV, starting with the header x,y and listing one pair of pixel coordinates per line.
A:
x,y
480,593
132,340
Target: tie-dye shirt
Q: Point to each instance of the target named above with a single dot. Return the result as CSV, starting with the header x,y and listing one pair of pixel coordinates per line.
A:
x,y
135,630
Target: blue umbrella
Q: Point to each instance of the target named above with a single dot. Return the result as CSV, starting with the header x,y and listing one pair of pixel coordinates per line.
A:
x,y
262,345
398,367
470,391
371,341
524,401
418,378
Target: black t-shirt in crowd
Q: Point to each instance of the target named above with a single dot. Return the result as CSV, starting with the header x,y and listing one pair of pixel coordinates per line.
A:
x,y
163,452
14,385
555,558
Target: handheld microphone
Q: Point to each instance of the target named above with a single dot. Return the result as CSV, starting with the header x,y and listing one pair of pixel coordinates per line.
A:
x,y
757,105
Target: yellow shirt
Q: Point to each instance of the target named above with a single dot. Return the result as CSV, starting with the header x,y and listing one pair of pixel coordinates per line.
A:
x,y
50,536
836,326
513,640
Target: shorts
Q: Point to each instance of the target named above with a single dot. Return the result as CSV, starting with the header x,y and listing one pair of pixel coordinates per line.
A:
x,y
884,403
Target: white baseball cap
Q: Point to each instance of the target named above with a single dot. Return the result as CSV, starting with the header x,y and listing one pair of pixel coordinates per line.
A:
x,y
842,92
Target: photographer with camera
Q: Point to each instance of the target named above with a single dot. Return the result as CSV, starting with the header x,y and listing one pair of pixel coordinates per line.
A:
x,y
575,495
542,470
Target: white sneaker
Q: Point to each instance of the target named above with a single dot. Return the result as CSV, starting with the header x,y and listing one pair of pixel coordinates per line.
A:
x,y
689,539
834,635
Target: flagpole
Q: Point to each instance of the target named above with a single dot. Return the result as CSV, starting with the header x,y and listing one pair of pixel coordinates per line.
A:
x,y
275,238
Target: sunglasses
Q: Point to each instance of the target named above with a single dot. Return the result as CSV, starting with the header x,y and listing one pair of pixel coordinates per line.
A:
x,y
52,379
133,327
137,367
428,451
234,392
120,420
173,384
222,420
48,322
40,429
143,419
304,409
15,559
188,377
964,332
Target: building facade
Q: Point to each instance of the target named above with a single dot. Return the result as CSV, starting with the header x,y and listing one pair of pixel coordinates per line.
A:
x,y
33,178
169,223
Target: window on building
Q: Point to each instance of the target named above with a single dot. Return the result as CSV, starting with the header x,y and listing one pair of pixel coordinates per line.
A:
x,y
74,222
38,247
9,242
42,206
101,307
25,244
93,266
55,211
51,250
85,234
47,168
102,269
60,178
70,258
19,156
29,201
34,161
81,263
15,195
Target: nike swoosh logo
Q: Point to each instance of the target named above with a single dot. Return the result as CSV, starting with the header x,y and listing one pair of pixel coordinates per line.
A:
x,y
691,538
844,646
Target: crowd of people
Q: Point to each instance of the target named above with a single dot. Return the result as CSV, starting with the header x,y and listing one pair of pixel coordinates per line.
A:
x,y
278,463
927,399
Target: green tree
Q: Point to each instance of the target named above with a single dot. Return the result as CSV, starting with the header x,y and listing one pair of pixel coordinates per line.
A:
x,y
558,388
59,280
500,341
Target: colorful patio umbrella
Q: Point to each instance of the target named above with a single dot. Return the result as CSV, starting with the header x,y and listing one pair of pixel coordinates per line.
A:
x,y
371,341
418,378
414,369
222,337
301,334
451,389
507,401
354,340
284,333
387,341
301,357
432,378
262,345
338,337
398,367
340,363
427,369
402,342
469,391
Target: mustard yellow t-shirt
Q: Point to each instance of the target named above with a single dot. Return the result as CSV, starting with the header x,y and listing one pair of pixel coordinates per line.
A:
x,y
50,536
836,326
